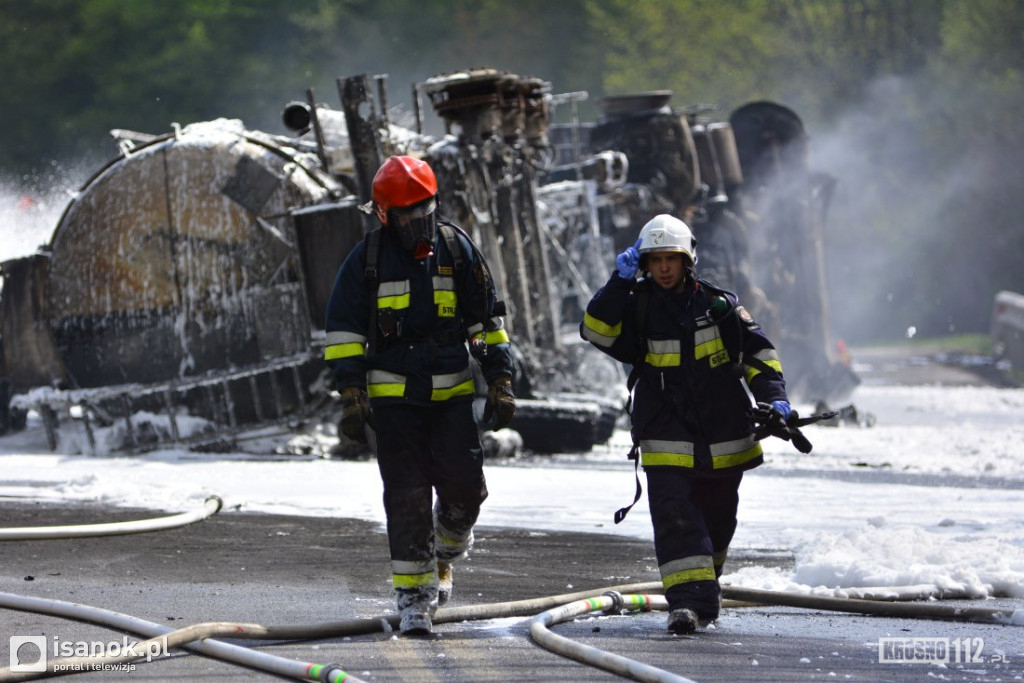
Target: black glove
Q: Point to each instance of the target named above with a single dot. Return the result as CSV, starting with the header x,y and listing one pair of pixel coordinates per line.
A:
x,y
355,413
501,402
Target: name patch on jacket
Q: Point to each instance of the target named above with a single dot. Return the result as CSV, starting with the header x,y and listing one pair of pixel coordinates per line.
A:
x,y
707,343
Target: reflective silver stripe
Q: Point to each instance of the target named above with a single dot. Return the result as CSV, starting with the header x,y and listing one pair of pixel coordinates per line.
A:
x,y
766,355
733,453
705,335
660,446
656,453
598,332
687,570
381,384
345,338
445,536
412,566
393,288
684,563
384,377
450,380
596,338
444,387
474,329
663,345
662,353
444,282
730,447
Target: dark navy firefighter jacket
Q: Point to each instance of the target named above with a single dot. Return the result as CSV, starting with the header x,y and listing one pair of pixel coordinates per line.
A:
x,y
690,407
429,309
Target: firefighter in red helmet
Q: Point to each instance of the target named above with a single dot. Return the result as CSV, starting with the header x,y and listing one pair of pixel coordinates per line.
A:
x,y
411,305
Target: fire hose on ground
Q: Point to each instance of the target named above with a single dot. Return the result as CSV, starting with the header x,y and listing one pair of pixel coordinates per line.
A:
x,y
552,610
211,506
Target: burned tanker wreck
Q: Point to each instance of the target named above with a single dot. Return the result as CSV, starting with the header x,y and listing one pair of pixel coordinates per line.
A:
x,y
181,296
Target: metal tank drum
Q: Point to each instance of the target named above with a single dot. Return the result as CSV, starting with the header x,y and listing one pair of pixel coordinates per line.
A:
x,y
178,258
176,261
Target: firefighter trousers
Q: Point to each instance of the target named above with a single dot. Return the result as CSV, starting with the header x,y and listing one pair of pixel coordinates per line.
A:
x,y
422,450
694,521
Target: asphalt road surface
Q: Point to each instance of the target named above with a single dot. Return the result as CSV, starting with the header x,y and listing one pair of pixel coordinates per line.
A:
x,y
282,570
293,571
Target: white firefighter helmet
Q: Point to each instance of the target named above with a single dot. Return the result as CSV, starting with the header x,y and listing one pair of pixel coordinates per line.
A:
x,y
668,233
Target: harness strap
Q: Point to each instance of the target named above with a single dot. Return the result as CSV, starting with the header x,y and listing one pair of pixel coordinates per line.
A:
x,y
372,275
634,455
372,252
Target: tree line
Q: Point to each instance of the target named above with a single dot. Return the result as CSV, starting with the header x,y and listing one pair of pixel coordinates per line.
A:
x,y
912,104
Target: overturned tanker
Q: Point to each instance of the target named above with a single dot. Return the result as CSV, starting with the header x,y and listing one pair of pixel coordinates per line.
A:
x,y
182,294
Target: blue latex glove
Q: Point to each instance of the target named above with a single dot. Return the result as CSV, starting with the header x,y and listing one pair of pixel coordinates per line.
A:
x,y
628,261
782,408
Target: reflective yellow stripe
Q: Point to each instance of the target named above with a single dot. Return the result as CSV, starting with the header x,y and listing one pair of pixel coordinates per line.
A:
x,y
769,357
664,452
688,576
413,580
662,353
708,348
393,294
732,459
676,459
496,337
601,327
380,383
395,302
445,303
454,384
464,389
598,332
444,296
662,360
343,351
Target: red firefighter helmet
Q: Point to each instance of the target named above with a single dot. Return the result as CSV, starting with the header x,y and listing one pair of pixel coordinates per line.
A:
x,y
400,182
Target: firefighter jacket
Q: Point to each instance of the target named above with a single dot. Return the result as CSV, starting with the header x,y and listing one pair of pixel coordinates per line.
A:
x,y
425,313
690,408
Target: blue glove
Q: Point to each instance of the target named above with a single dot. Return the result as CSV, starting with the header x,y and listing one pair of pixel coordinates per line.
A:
x,y
782,408
628,261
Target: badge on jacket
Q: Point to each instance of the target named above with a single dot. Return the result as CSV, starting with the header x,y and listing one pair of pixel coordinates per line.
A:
x,y
747,319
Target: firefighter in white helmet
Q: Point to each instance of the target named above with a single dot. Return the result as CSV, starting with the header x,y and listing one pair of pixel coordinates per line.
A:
x,y
692,347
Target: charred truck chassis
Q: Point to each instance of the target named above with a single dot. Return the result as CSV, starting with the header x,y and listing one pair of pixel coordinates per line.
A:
x,y
188,278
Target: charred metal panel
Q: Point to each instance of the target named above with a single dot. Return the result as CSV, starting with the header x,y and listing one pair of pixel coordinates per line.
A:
x,y
279,321
29,355
326,234
251,185
657,141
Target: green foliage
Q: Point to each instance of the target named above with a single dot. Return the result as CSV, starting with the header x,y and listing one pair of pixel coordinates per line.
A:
x,y
926,92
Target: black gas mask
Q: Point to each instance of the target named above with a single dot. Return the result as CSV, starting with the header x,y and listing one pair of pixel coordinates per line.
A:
x,y
416,227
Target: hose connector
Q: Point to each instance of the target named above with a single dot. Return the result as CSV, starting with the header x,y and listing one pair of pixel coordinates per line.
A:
x,y
618,604
328,670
